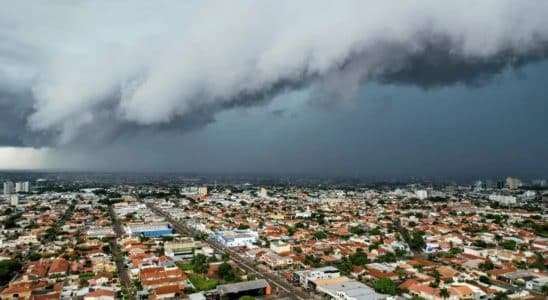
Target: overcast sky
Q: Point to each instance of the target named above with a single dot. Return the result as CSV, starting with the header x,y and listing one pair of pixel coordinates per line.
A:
x,y
357,88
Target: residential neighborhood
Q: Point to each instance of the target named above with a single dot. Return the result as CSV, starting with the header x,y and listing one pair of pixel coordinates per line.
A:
x,y
157,242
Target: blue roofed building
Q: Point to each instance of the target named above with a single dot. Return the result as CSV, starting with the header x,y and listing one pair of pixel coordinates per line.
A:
x,y
149,230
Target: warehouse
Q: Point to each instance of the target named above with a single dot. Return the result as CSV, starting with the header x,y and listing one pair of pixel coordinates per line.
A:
x,y
149,230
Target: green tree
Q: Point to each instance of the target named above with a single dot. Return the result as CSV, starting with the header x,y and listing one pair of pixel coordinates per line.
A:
x,y
508,244
487,265
385,286
544,289
501,296
9,223
375,231
345,266
291,230
444,293
357,230
359,258
243,226
484,279
539,262
417,241
199,264
320,235
8,268
226,272
437,278
34,256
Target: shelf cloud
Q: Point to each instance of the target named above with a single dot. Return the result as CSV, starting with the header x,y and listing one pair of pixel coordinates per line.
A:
x,y
88,72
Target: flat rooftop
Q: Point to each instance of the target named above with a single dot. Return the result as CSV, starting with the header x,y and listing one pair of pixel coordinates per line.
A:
x,y
353,289
235,288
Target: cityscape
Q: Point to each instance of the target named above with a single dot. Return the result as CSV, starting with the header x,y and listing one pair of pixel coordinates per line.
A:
x,y
274,150
88,239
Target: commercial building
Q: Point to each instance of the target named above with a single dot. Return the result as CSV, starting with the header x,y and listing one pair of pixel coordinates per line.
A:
x,y
421,194
503,199
537,283
275,261
343,288
258,287
305,278
149,230
237,238
100,232
181,249
280,247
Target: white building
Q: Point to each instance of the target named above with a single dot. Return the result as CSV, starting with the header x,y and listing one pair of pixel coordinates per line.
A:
x,y
421,194
537,283
280,247
502,199
9,188
304,214
476,251
22,187
347,289
14,200
305,277
237,238
431,245
263,193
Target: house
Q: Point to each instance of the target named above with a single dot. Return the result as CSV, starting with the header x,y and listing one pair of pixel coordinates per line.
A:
x,y
49,294
461,292
22,290
167,292
59,267
424,290
101,278
155,277
100,294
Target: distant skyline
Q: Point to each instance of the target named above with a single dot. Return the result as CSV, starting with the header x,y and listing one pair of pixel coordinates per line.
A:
x,y
448,90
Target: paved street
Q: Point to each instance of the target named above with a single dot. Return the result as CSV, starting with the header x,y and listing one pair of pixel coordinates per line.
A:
x,y
119,257
248,265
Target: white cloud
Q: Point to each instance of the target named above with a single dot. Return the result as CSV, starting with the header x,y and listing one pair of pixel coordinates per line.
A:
x,y
148,63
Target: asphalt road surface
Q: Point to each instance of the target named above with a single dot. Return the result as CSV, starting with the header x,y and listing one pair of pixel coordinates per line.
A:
x,y
275,281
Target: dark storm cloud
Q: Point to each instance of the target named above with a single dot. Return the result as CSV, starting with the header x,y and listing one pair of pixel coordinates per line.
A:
x,y
437,65
173,68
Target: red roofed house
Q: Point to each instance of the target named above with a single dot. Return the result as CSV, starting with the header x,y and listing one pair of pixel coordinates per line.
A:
x,y
59,267
100,294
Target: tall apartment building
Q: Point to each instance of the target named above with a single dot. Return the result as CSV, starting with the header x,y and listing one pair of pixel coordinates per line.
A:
x,y
9,188
513,183
22,187
202,191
